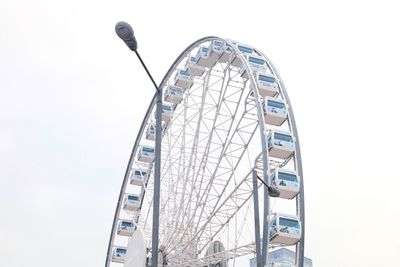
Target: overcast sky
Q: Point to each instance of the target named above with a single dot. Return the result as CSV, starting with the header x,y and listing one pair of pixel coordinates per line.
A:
x,y
72,97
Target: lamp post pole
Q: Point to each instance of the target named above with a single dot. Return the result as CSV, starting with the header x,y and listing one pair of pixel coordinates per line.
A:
x,y
125,32
257,220
156,196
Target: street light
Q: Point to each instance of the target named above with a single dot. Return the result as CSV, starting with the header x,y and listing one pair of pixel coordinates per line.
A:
x,y
125,32
272,190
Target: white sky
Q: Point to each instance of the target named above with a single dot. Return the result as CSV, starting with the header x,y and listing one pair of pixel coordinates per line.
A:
x,y
72,97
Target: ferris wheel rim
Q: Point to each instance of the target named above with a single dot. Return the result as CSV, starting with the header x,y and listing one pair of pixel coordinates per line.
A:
x,y
299,167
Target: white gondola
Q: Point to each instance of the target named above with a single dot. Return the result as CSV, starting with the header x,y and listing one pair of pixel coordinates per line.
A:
x,y
275,111
204,57
138,177
183,79
125,228
280,144
287,182
226,54
151,132
245,50
146,154
267,84
284,229
167,111
256,63
119,254
215,48
173,94
192,68
132,202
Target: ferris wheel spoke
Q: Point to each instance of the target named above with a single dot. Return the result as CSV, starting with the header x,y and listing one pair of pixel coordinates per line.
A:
x,y
208,129
228,208
245,129
193,156
218,128
240,144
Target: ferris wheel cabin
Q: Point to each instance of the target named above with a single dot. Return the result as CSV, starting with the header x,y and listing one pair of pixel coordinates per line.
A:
x,y
280,144
167,111
125,228
215,50
174,94
287,182
132,202
192,68
146,154
138,177
119,254
226,53
245,50
151,132
275,111
183,79
284,229
256,63
204,57
267,84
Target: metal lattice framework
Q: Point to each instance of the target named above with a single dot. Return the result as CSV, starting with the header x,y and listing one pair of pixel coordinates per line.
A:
x,y
216,137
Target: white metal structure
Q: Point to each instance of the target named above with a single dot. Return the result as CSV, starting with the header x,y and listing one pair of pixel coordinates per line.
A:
x,y
285,229
287,181
275,111
209,149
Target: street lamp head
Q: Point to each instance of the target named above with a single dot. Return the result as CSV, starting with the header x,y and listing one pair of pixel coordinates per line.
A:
x,y
125,32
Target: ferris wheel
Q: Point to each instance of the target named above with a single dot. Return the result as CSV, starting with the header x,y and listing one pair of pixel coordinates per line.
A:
x,y
226,118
